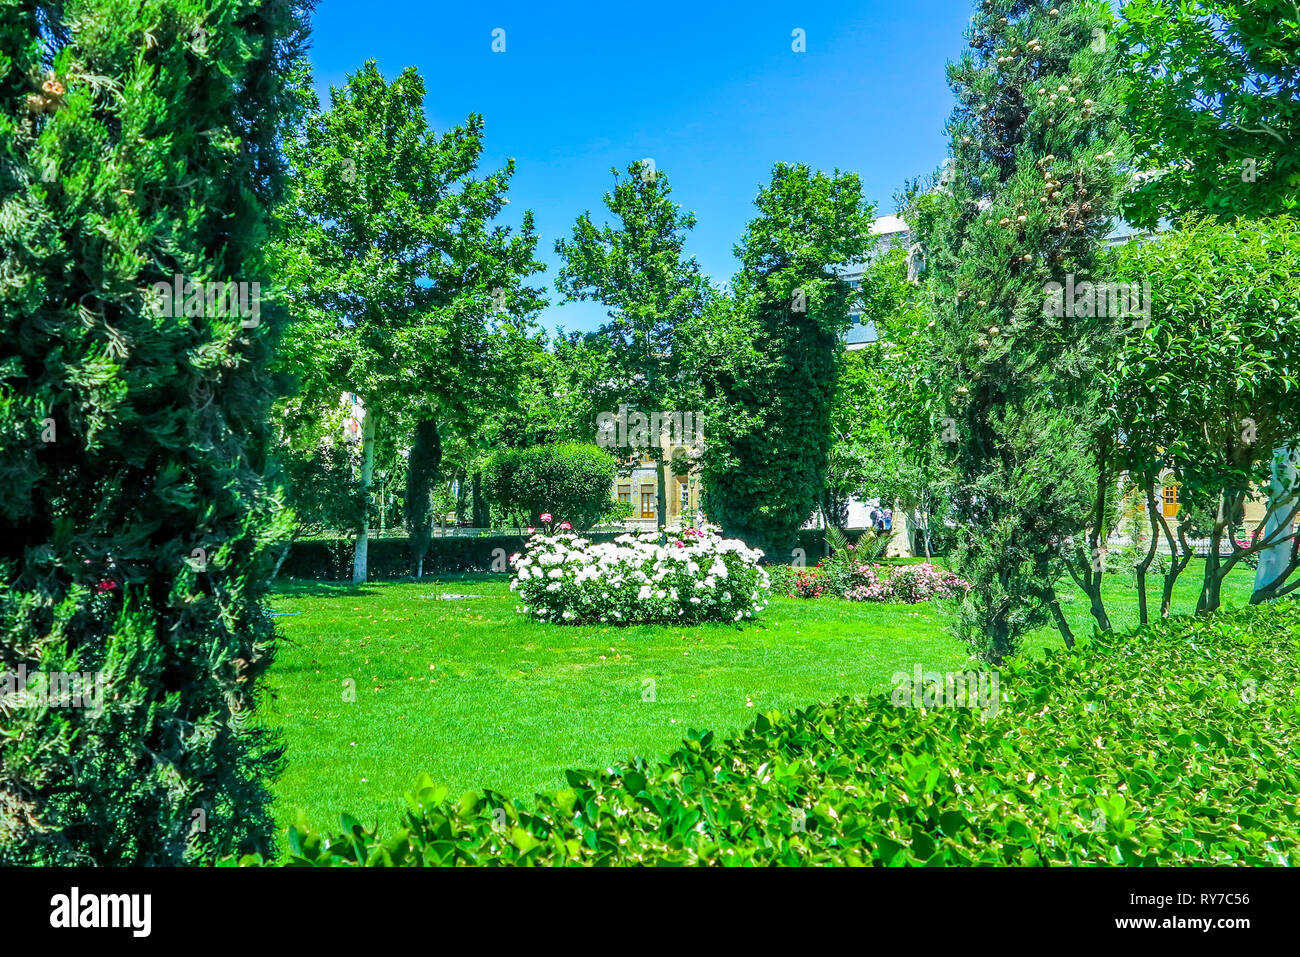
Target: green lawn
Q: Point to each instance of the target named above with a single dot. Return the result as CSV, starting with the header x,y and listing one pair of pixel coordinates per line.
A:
x,y
481,697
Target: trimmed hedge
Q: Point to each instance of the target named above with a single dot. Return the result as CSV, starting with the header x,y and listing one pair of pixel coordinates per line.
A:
x,y
1178,743
390,558
330,559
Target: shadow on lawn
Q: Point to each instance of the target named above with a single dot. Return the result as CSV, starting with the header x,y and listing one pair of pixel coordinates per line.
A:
x,y
313,588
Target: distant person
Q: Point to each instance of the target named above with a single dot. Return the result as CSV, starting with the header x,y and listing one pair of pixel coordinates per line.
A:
x,y
889,519
873,517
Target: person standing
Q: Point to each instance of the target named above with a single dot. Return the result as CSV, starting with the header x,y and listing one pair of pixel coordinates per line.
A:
x,y
889,519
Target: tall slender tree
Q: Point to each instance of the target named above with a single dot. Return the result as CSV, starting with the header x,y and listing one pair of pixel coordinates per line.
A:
x,y
766,453
1036,146
138,160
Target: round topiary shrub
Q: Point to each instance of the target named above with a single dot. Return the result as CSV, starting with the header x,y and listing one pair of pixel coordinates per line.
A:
x,y
572,479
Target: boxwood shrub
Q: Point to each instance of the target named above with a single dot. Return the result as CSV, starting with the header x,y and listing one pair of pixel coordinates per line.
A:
x,y
1178,743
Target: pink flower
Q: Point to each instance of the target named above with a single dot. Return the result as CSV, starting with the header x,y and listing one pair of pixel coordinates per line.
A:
x,y
106,585
531,529
546,516
565,525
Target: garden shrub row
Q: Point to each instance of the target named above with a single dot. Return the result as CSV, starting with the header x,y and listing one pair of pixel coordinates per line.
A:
x,y
1178,743
389,559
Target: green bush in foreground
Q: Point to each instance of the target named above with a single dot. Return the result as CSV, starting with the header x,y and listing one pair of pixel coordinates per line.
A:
x,y
1174,743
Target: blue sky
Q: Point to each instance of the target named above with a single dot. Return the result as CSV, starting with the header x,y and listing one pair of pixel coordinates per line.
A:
x,y
713,94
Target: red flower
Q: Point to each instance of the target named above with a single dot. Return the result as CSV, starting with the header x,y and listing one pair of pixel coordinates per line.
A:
x,y
565,525
106,585
546,516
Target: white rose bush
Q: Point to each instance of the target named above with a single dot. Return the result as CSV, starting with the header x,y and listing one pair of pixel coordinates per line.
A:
x,y
689,577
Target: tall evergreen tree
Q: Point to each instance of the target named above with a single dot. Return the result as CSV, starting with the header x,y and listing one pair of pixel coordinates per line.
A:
x,y
138,143
767,447
1029,194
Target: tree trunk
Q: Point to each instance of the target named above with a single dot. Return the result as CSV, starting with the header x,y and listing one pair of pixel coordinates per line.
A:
x,y
480,516
361,553
1094,572
421,472
1145,564
1210,583
1063,626
279,562
661,489
926,540
1177,547
1177,564
1275,560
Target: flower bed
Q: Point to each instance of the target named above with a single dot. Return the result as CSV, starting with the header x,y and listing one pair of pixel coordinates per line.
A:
x,y
650,577
809,583
904,583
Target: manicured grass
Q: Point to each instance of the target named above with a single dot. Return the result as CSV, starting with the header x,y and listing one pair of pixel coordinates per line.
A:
x,y
482,697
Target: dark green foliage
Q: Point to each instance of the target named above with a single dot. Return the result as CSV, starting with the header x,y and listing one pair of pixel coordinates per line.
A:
x,y
570,480
768,440
137,142
1036,148
1173,744
330,559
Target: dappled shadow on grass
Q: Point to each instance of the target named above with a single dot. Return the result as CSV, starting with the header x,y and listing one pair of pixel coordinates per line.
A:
x,y
310,588
313,588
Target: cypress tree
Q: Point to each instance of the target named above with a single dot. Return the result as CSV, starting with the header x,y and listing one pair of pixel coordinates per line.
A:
x,y
138,159
766,452
1036,146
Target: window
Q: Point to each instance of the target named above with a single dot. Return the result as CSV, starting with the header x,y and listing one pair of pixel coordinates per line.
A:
x,y
625,494
648,505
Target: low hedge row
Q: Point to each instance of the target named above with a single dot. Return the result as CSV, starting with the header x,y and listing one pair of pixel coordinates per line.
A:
x,y
1178,743
388,559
